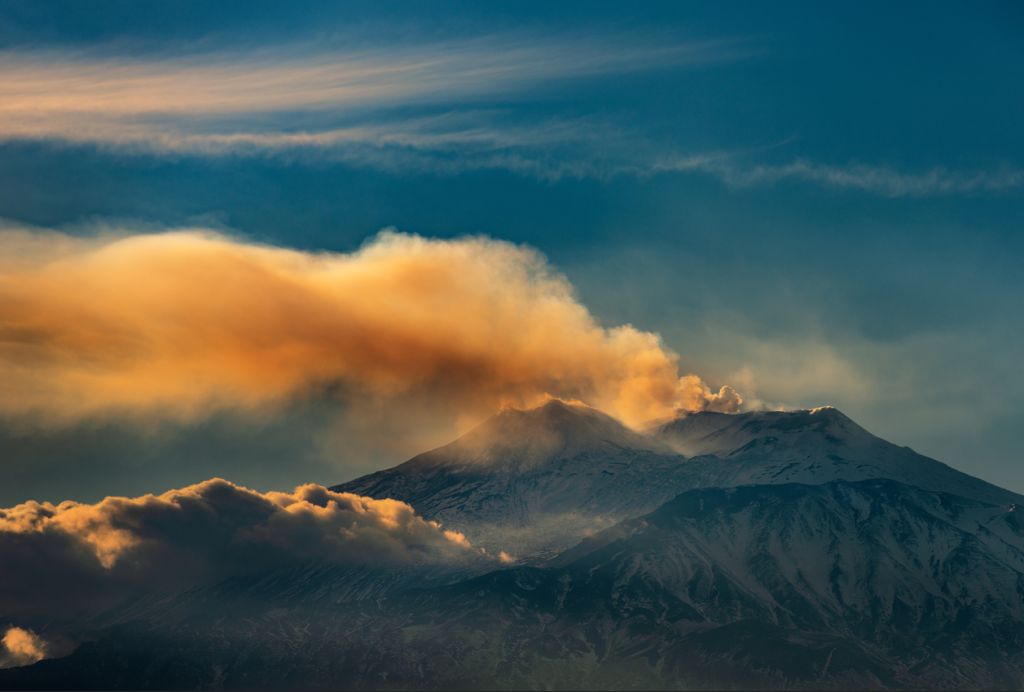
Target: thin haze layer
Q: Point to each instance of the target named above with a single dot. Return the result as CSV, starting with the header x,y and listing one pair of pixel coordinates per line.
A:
x,y
181,324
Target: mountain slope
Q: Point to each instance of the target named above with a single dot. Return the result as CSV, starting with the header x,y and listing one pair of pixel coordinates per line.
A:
x,y
812,447
684,556
533,483
931,583
872,584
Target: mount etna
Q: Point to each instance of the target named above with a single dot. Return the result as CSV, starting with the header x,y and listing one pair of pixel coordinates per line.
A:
x,y
753,550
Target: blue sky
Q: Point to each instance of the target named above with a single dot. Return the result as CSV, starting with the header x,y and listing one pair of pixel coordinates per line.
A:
x,y
813,204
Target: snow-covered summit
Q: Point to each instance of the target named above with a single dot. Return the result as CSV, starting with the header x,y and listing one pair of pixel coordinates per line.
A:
x,y
705,432
538,480
535,481
811,446
516,440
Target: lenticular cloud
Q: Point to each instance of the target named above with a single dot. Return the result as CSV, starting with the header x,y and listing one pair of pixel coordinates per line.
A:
x,y
187,322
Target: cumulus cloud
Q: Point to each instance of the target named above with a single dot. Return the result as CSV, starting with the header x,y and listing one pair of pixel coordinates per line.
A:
x,y
21,647
181,324
71,556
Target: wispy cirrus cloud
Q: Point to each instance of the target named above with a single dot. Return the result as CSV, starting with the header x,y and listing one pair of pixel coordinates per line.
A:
x,y
402,108
298,96
422,108
550,149
881,180
290,80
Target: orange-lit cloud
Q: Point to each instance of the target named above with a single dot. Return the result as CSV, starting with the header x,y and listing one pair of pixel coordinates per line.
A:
x,y
181,324
21,647
73,556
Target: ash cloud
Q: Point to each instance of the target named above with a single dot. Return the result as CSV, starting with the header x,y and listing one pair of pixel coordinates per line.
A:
x,y
179,325
72,558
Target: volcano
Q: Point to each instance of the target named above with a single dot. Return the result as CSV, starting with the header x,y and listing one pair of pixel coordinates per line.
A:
x,y
762,550
533,483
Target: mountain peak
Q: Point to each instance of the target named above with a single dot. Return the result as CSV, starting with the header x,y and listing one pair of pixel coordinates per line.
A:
x,y
554,410
518,439
825,423
810,446
705,432
532,481
569,419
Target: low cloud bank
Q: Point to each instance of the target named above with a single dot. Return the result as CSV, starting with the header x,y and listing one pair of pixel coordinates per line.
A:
x,y
181,324
76,557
